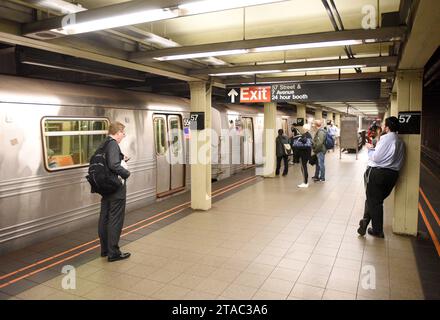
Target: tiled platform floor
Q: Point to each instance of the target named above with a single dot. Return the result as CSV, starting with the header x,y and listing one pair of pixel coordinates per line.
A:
x,y
268,241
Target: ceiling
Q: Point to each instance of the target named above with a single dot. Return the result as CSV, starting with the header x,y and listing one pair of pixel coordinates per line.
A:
x,y
98,57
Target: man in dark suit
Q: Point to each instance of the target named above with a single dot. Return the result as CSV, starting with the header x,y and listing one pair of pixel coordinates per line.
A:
x,y
112,214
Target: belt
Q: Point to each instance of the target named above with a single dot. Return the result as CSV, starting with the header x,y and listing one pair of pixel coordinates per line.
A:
x,y
379,168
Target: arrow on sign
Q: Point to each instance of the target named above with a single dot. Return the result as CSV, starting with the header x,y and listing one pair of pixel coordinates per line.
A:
x,y
233,94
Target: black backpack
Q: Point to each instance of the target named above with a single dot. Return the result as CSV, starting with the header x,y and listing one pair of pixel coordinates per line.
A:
x,y
101,179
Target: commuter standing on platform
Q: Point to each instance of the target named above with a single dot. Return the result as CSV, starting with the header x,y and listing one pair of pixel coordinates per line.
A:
x,y
112,214
384,163
331,128
320,150
303,148
281,141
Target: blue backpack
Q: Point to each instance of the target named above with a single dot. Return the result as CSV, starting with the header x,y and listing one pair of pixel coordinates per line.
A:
x,y
329,143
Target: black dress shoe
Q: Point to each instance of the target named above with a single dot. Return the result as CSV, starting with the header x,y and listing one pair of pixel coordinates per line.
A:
x,y
362,227
371,232
122,256
103,254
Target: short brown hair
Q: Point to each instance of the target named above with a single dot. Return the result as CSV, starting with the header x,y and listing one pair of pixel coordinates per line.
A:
x,y
115,127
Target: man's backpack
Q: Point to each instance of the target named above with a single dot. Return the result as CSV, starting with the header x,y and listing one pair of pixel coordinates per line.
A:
x,y
100,177
329,142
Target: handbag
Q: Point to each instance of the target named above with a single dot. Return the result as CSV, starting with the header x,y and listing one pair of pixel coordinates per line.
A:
x,y
302,143
313,159
287,149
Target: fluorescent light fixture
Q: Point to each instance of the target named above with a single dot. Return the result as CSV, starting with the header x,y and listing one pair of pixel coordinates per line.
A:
x,y
216,5
60,5
262,49
326,68
243,73
289,70
214,61
308,45
164,42
201,55
117,21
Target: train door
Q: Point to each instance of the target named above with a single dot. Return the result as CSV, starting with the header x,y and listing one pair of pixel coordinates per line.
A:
x,y
168,139
248,141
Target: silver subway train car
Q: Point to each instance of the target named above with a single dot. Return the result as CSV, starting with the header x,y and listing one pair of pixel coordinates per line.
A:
x,y
50,129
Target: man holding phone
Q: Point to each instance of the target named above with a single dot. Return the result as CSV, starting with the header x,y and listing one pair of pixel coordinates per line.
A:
x,y
384,162
112,214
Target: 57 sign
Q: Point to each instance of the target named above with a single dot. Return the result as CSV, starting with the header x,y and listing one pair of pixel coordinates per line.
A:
x,y
409,122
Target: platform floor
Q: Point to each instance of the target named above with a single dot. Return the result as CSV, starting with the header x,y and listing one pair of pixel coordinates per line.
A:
x,y
270,240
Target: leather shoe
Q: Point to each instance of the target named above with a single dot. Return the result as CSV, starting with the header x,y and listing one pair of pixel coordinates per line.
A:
x,y
122,256
371,232
362,227
103,254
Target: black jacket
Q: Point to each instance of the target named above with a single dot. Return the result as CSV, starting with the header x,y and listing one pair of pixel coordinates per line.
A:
x,y
114,157
305,153
280,141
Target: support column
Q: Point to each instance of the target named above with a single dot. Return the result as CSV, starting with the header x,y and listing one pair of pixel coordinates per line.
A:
x,y
200,148
318,113
329,116
338,120
393,108
270,134
360,123
386,115
406,195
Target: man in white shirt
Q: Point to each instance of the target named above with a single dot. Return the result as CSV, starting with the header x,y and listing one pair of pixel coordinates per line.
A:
x,y
384,163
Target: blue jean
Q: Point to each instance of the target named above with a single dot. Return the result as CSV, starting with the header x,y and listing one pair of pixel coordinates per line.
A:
x,y
320,166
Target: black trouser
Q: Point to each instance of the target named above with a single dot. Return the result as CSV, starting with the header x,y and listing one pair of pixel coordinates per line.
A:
x,y
111,221
304,160
379,184
286,164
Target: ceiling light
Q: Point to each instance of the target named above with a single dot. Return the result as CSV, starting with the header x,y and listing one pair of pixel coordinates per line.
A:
x,y
325,68
201,55
216,5
242,73
215,61
158,40
117,21
262,49
308,45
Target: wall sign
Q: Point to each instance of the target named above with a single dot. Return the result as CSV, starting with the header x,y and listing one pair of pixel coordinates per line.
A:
x,y
255,94
197,121
409,122
300,122
342,90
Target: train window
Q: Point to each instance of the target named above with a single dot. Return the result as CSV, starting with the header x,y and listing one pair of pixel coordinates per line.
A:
x,y
160,135
69,143
175,136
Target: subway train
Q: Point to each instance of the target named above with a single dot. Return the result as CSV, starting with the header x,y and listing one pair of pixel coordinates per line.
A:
x,y
49,130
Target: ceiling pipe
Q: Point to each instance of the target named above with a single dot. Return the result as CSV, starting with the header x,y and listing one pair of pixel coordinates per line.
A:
x,y
347,49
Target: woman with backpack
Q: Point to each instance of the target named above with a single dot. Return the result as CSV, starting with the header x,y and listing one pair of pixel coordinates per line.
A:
x,y
303,150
